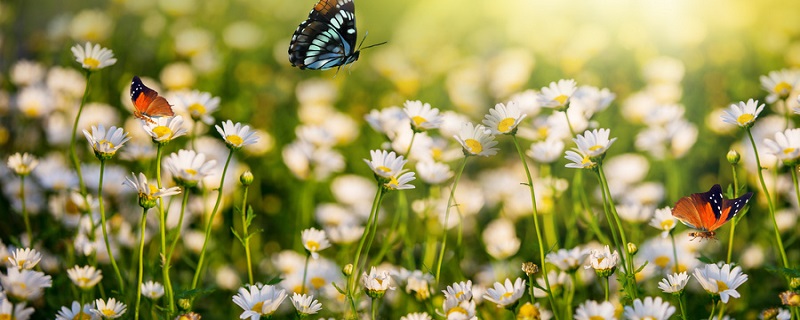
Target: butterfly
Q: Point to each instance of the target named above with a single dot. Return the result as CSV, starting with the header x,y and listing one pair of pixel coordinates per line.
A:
x,y
327,39
708,211
147,103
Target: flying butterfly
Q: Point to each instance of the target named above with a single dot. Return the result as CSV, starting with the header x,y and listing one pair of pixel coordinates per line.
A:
x,y
327,39
147,103
708,211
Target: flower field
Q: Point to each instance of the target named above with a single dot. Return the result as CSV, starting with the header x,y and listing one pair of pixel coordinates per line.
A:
x,y
188,159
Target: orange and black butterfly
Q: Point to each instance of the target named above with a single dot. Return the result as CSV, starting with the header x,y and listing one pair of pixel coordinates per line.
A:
x,y
147,102
708,211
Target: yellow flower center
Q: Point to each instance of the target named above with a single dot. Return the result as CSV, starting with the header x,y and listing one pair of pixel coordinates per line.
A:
x,y
105,145
318,282
312,245
782,88
562,99
20,262
190,172
393,182
436,153
662,261
383,168
82,316
745,118
667,224
108,312
153,189
596,318
722,286
528,311
162,131
507,295
379,281
234,139
82,281
649,318
586,161
418,120
257,307
197,109
92,63
595,147
6,316
474,146
506,125
788,150
459,294
543,131
20,285
456,309
680,268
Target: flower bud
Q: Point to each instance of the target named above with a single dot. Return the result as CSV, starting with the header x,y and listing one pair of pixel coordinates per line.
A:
x,y
246,178
733,157
789,298
770,314
184,304
632,248
348,269
530,268
794,284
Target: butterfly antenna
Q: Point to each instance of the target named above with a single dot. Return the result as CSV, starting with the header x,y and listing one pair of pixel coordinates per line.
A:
x,y
369,46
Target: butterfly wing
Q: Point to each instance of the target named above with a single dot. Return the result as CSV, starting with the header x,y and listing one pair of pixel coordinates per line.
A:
x,y
327,38
700,211
730,208
147,101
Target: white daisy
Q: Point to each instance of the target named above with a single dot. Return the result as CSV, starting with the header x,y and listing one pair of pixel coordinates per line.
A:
x,y
529,311
434,173
568,260
77,312
422,116
152,290
546,151
579,160
557,94
476,140
506,295
106,143
24,284
344,233
26,73
504,119
785,147
376,283
455,309
416,316
664,221
594,143
650,309
22,164
25,258
779,84
674,283
85,277
93,57
18,310
236,136
591,310
744,114
188,167
721,281
258,300
460,291
164,129
305,304
314,241
591,100
385,164
603,261
109,309
400,182
199,105
148,193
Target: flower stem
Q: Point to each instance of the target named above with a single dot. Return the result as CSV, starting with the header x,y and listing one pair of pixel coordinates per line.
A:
x,y
447,216
246,238
177,236
374,309
200,262
25,211
72,154
605,288
733,221
536,227
163,230
674,253
305,273
778,240
683,308
628,260
142,224
351,288
105,231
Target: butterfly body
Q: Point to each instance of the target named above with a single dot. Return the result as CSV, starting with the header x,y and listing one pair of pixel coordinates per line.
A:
x,y
147,103
327,39
708,211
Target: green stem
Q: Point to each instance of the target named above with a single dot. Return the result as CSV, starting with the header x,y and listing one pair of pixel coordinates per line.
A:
x,y
627,260
351,288
246,238
72,154
605,288
105,231
733,221
305,273
394,232
177,236
676,268
200,262
536,227
683,308
142,224
25,211
374,309
778,240
163,230
447,216
713,309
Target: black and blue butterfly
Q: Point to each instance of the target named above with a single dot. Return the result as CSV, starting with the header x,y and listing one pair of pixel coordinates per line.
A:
x,y
327,39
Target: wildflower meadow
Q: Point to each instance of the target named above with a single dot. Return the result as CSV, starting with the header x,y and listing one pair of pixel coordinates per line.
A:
x,y
348,159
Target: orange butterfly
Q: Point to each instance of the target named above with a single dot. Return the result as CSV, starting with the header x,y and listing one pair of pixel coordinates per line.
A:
x,y
708,211
147,102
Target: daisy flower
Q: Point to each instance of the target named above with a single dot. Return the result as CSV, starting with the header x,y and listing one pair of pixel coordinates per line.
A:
x,y
790,298
24,284
603,261
416,316
744,114
77,312
18,310
305,304
504,119
529,311
385,164
106,143
314,241
236,136
594,143
93,57
188,167
785,147
721,281
558,281
85,277
460,291
109,309
476,140
25,258
26,73
152,290
459,309
650,309
200,105
422,116
434,173
546,151
775,314
506,295
258,301
148,193
164,129
663,220
400,182
779,84
22,164
579,160
376,283
567,260
557,94
591,310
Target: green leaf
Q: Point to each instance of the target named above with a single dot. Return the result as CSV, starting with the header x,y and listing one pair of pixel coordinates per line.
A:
x,y
794,273
194,293
337,288
275,280
705,259
642,267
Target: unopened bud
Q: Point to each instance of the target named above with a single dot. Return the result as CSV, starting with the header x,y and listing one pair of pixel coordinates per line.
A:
x,y
530,268
770,314
632,248
348,269
246,178
794,284
789,298
185,304
733,157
